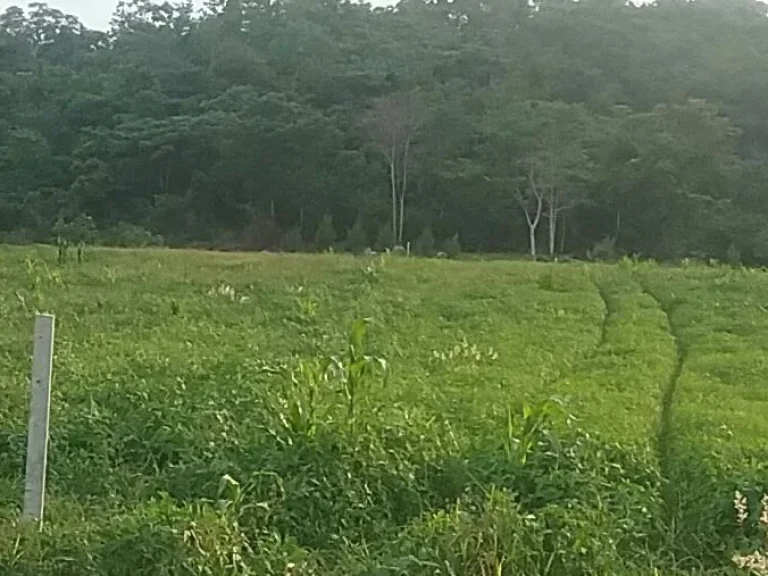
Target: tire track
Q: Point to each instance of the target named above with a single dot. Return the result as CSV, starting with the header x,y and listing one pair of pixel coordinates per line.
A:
x,y
583,358
608,313
666,430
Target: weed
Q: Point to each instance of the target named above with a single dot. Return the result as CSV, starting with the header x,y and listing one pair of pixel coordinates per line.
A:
x,y
464,354
356,370
756,561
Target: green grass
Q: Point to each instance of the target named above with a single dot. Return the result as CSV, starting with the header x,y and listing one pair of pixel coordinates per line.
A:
x,y
212,414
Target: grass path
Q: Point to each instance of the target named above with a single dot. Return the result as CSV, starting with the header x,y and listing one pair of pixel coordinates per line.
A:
x,y
713,430
666,431
666,420
609,312
616,389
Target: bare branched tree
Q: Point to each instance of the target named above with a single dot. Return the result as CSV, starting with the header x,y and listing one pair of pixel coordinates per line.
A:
x,y
393,123
532,203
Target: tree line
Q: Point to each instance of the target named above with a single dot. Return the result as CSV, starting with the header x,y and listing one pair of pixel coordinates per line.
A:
x,y
546,126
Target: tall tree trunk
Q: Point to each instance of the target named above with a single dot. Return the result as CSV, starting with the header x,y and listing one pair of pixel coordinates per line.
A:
x,y
404,188
532,220
552,228
563,229
393,177
165,180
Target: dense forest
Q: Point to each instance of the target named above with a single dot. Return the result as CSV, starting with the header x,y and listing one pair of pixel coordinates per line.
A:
x,y
591,127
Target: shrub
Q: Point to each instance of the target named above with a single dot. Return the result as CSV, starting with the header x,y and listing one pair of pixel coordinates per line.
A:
x,y
292,240
760,247
21,236
425,244
604,249
325,237
383,238
755,562
733,255
127,235
357,240
79,229
261,233
452,246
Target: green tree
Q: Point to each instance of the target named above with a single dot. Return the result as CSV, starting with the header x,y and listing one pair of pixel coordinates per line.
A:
x,y
325,236
483,118
357,239
425,243
544,152
677,168
393,125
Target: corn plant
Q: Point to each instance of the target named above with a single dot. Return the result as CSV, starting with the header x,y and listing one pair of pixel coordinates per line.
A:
x,y
298,401
357,369
526,427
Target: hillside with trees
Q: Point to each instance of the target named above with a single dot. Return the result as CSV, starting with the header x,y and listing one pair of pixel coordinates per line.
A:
x,y
552,125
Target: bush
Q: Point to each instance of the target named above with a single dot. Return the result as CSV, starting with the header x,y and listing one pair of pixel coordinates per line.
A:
x,y
425,244
733,255
760,247
383,239
261,233
80,229
292,240
604,249
357,240
452,246
325,237
130,236
21,236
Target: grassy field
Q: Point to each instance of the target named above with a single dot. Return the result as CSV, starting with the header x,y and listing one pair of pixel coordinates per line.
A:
x,y
272,414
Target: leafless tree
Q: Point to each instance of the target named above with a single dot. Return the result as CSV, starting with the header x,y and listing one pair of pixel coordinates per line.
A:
x,y
532,203
393,124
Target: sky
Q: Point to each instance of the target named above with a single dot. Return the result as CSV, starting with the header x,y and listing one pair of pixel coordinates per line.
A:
x,y
92,13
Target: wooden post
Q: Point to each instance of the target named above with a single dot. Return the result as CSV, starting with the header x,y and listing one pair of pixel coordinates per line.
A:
x,y
39,412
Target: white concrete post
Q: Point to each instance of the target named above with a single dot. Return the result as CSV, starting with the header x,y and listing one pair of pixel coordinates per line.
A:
x,y
39,412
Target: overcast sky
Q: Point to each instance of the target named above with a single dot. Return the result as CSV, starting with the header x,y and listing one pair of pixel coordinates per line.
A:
x,y
92,13
96,13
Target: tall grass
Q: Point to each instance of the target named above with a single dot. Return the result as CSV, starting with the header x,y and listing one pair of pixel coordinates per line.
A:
x,y
232,414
